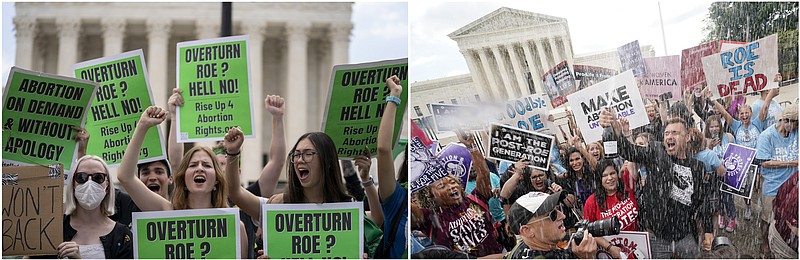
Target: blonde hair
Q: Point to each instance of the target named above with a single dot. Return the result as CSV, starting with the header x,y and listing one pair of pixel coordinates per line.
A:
x,y
180,195
107,206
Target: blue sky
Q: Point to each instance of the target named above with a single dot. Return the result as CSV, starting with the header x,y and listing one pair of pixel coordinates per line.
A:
x,y
380,32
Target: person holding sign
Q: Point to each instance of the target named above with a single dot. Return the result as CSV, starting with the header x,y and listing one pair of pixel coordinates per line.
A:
x,y
199,182
672,197
88,230
393,197
778,154
459,222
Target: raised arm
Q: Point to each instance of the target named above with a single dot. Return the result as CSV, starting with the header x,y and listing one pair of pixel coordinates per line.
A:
x,y
146,199
246,201
175,149
82,137
625,148
722,111
268,179
762,114
576,141
483,184
386,171
375,210
511,184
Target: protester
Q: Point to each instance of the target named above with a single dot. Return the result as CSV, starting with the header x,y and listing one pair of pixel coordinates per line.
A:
x,y
783,229
777,152
673,194
717,141
539,220
199,182
393,197
88,230
612,198
457,221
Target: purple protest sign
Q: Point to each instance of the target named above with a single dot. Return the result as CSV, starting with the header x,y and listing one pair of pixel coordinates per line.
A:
x,y
456,160
425,168
737,160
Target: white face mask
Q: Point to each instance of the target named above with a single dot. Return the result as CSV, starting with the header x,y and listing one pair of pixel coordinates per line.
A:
x,y
90,195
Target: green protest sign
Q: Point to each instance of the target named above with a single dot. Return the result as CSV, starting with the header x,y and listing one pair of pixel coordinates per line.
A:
x,y
356,104
122,97
38,111
214,75
187,234
329,230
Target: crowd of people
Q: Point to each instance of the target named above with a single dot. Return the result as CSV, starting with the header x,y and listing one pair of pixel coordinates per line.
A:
x,y
98,216
663,179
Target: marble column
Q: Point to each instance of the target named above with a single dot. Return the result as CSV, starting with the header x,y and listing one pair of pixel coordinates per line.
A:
x,y
526,49
501,65
113,35
207,29
543,58
158,32
69,29
568,50
253,149
487,71
26,30
477,76
519,73
339,36
297,80
554,51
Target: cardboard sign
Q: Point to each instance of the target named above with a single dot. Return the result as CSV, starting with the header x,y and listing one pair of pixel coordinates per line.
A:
x,y
559,83
632,245
33,211
620,93
327,230
528,113
744,69
425,168
663,76
122,97
355,105
737,160
38,112
630,57
187,234
589,75
691,64
214,75
513,144
746,191
457,161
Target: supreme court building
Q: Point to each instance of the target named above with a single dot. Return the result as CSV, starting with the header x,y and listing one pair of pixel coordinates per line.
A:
x,y
293,49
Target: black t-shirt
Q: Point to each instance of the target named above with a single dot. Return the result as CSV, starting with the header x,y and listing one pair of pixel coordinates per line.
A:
x,y
124,208
523,252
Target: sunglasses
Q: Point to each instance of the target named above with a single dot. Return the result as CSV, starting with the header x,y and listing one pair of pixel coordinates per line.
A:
x,y
553,215
82,177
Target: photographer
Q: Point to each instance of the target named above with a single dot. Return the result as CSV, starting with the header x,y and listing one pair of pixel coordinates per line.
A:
x,y
537,217
674,191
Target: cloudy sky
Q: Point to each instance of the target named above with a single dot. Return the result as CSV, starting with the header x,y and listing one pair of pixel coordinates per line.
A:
x,y
594,26
380,32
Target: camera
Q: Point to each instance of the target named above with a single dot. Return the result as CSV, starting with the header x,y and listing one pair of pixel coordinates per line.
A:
x,y
603,227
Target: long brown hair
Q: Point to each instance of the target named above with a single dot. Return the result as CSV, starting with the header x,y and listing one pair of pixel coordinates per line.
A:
x,y
180,195
333,189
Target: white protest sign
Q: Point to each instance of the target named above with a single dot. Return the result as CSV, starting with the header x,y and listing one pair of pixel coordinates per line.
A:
x,y
744,69
620,93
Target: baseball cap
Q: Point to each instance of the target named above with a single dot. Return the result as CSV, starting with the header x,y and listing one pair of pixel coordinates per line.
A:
x,y
790,112
531,205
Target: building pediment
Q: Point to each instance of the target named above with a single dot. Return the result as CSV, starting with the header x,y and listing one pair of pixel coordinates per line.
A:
x,y
504,19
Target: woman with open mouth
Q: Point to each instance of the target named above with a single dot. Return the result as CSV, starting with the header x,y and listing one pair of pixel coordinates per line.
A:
x,y
611,198
199,182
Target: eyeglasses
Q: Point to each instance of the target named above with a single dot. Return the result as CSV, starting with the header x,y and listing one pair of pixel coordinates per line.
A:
x,y
553,215
82,177
307,156
541,176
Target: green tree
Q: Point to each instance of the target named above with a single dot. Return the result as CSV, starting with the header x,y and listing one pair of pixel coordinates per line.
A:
x,y
749,21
